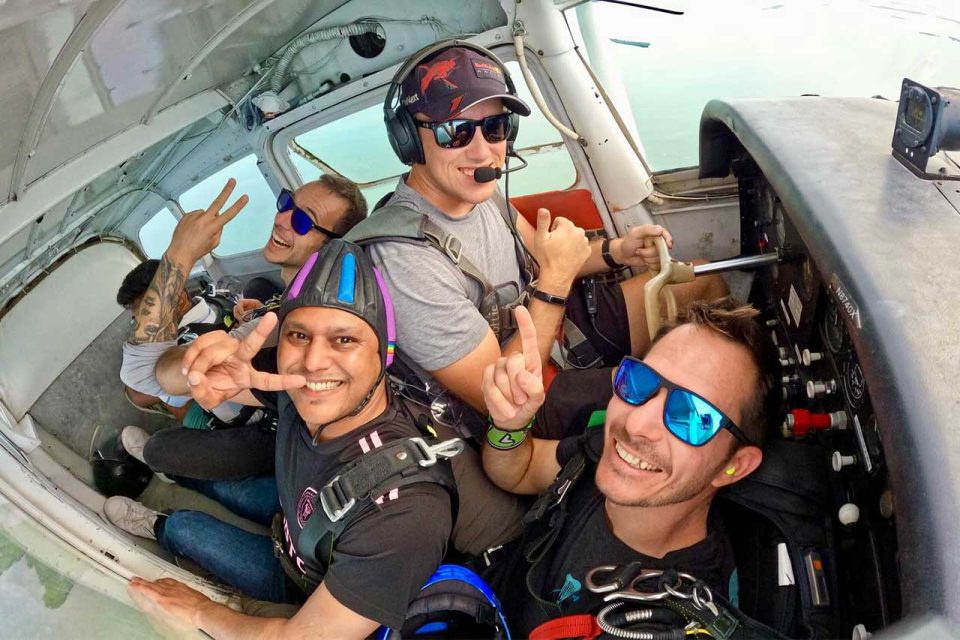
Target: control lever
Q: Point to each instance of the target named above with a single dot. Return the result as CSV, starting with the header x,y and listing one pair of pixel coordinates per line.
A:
x,y
676,272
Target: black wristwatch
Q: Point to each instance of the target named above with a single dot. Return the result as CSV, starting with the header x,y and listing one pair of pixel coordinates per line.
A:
x,y
605,252
549,298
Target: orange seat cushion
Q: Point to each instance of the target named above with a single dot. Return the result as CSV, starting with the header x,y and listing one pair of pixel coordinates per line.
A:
x,y
576,205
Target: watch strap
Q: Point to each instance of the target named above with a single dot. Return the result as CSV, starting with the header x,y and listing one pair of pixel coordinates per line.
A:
x,y
549,298
607,257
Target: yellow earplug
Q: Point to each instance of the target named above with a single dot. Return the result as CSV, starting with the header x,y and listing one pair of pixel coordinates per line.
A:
x,y
731,470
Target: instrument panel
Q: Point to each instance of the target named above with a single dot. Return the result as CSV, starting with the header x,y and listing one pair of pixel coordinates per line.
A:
x,y
827,404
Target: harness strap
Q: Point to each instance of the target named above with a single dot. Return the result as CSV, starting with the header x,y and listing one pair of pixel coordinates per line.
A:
x,y
354,490
579,345
579,626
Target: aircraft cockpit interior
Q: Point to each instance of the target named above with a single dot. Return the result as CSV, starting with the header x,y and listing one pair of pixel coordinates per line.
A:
x,y
834,212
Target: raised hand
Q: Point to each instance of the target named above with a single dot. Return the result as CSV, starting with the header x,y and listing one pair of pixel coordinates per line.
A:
x,y
561,249
513,385
218,366
198,232
637,249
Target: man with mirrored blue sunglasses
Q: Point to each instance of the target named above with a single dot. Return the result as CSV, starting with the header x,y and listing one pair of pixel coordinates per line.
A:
x,y
684,422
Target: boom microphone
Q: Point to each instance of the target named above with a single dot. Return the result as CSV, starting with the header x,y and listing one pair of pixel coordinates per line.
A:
x,y
489,174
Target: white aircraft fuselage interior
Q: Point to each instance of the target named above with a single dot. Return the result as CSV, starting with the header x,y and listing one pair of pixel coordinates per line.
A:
x,y
120,115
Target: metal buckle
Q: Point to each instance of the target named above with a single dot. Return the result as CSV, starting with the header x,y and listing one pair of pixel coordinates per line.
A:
x,y
445,450
334,513
491,553
453,248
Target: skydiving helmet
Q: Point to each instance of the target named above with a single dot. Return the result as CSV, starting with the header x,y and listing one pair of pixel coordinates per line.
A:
x,y
116,472
340,276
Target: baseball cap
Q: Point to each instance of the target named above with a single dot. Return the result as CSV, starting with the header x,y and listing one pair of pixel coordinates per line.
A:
x,y
453,81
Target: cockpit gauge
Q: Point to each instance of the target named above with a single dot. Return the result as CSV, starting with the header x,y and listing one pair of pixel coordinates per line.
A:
x,y
854,384
779,220
928,121
834,333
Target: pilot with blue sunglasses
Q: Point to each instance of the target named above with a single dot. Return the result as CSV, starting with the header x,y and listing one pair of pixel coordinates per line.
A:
x,y
683,422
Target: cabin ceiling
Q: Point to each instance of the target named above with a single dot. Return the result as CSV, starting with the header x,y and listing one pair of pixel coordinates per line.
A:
x,y
77,72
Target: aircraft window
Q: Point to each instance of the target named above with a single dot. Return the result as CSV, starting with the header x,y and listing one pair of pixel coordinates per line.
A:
x,y
155,235
356,147
48,590
247,231
671,65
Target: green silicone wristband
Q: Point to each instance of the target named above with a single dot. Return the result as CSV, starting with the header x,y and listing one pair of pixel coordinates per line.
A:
x,y
506,440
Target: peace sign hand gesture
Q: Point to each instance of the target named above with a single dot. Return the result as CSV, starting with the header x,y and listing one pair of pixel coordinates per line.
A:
x,y
513,386
218,366
198,232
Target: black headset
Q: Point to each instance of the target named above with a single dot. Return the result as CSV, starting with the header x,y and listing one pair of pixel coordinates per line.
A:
x,y
401,129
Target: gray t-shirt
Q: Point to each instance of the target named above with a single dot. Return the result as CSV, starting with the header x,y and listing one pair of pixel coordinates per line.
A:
x,y
436,305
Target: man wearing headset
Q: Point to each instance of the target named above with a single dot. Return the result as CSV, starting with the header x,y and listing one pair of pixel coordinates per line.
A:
x,y
456,114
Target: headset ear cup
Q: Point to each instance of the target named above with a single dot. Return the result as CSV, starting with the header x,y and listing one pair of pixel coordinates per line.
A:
x,y
514,128
402,133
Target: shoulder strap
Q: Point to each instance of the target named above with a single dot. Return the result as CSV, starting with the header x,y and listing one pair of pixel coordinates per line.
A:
x,y
354,490
398,223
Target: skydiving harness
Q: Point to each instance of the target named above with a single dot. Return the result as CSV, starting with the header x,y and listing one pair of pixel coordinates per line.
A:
x,y
673,605
654,605
354,492
399,223
221,303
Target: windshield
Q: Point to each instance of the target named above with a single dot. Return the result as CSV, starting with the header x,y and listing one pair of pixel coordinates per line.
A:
x,y
672,65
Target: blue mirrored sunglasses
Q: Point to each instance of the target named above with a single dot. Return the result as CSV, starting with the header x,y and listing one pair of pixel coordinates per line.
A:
x,y
687,415
300,220
457,133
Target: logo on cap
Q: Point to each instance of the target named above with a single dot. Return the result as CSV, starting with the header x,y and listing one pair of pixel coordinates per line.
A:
x,y
438,71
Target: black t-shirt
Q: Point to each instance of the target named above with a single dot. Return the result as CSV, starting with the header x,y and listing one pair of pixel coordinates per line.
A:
x,y
586,541
383,558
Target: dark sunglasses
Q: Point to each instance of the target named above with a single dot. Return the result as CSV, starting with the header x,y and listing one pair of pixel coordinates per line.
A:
x,y
687,415
454,134
300,220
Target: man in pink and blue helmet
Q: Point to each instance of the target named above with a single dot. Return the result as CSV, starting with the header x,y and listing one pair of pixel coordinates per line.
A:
x,y
335,410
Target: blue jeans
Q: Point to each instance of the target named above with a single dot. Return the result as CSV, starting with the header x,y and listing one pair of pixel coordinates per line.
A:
x,y
241,559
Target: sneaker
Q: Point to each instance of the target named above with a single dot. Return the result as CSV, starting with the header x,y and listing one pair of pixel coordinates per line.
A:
x,y
131,516
134,439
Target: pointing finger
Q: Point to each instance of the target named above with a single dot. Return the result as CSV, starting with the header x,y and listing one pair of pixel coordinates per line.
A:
x,y
515,368
528,339
276,382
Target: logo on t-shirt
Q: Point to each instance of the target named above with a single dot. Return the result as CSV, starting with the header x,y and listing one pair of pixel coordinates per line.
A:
x,y
305,505
569,591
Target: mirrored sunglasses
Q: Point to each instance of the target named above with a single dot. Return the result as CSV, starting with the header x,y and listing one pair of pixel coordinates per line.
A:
x,y
300,220
457,133
687,415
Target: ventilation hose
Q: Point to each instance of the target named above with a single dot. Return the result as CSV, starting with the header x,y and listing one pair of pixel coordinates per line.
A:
x,y
330,33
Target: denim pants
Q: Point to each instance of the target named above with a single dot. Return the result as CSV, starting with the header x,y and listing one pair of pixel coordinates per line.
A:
x,y
238,558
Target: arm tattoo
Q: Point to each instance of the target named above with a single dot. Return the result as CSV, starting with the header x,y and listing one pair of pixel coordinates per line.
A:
x,y
157,320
